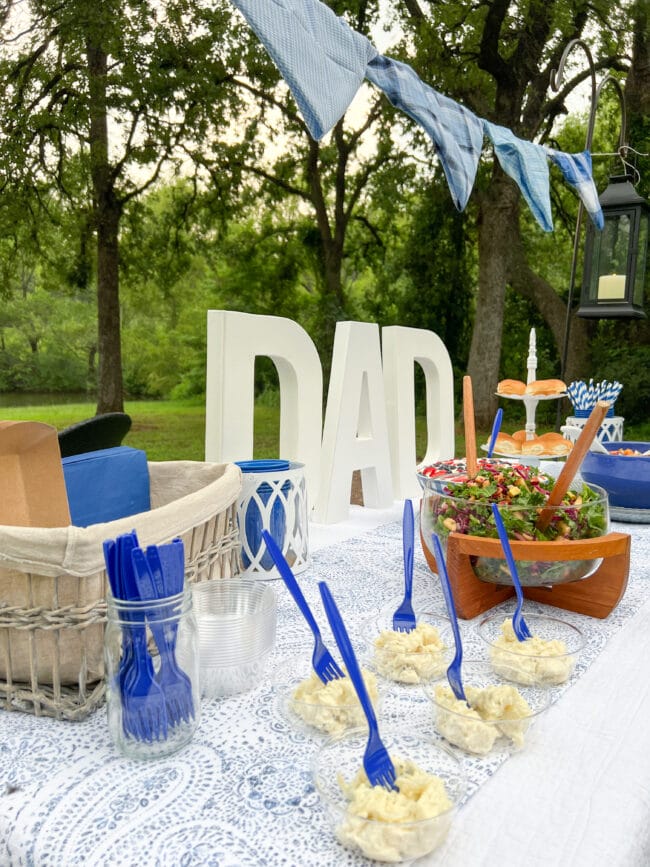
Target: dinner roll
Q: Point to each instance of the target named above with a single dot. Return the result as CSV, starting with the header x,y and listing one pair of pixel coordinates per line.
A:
x,y
506,445
511,386
519,435
555,444
546,386
533,447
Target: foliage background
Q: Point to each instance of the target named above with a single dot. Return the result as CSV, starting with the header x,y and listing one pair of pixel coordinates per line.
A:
x,y
232,221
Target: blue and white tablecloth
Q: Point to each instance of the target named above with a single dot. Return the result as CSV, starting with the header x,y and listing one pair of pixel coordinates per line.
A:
x,y
241,793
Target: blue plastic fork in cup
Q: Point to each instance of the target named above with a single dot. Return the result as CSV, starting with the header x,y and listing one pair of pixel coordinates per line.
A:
x,y
140,697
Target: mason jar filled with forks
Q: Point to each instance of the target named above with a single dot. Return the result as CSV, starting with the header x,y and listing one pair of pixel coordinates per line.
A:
x,y
152,674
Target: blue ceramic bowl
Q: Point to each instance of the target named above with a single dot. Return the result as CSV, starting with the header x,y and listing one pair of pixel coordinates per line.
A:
x,y
625,478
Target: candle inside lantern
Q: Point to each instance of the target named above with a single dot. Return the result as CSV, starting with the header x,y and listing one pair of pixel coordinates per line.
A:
x,y
611,287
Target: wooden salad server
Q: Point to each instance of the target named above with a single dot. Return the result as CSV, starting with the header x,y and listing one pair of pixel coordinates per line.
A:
x,y
573,463
470,431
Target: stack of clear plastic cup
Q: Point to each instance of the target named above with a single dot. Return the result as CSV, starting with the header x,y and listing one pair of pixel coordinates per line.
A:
x,y
236,622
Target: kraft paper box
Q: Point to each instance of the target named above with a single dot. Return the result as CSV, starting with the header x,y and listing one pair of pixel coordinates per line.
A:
x,y
32,487
106,485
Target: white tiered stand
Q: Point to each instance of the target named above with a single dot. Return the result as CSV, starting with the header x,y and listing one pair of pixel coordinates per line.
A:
x,y
531,400
611,430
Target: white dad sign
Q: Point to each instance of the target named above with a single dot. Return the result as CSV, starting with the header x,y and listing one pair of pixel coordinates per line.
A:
x,y
370,413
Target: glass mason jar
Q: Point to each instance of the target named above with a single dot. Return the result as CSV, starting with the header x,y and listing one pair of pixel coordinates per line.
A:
x,y
152,674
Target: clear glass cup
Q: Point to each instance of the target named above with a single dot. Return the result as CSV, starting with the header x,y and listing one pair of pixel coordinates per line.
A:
x,y
236,626
152,675
416,829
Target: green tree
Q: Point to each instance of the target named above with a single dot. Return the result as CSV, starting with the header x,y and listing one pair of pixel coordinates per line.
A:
x,y
125,87
427,275
48,320
622,347
330,181
179,257
496,58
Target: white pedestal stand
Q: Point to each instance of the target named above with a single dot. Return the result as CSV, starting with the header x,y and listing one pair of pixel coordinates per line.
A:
x,y
530,401
610,431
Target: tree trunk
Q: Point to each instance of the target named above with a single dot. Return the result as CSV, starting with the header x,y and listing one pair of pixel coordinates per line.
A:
x,y
107,214
637,86
331,306
498,224
92,354
109,372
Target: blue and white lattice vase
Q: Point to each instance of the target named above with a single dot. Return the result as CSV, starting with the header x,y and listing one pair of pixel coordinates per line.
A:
x,y
610,431
273,498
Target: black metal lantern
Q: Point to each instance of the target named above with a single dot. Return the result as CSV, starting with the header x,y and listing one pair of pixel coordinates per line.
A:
x,y
615,277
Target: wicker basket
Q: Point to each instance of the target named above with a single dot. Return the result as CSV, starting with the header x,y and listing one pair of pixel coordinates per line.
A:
x,y
53,585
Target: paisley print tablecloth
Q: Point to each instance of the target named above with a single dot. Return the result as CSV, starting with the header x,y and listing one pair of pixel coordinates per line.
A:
x,y
241,793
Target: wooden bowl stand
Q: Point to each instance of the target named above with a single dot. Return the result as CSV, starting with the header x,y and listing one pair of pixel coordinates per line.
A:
x,y
596,596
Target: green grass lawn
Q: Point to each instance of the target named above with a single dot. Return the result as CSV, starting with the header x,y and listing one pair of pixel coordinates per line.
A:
x,y
175,430
166,430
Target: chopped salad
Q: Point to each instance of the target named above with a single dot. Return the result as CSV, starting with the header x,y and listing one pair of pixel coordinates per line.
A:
x,y
454,466
523,490
464,505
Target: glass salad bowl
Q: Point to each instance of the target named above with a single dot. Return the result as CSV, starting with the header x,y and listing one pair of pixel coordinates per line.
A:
x,y
464,506
385,825
548,658
315,709
499,715
408,657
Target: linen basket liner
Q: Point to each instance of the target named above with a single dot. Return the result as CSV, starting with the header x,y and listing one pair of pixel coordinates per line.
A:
x,y
53,580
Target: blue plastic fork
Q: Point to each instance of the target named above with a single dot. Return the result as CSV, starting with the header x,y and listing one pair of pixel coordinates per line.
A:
x,y
453,672
518,623
143,699
167,566
376,761
126,659
404,616
172,561
175,684
496,427
114,569
322,660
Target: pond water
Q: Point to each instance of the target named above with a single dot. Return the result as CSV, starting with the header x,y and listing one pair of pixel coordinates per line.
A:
x,y
37,398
